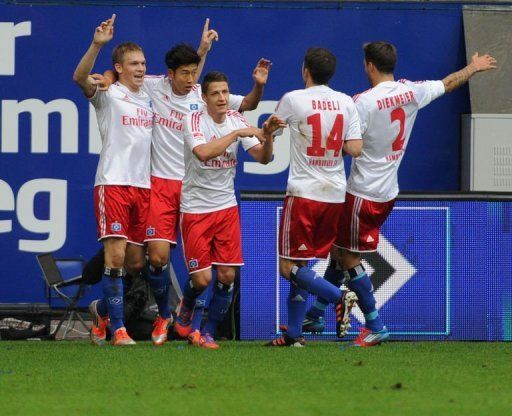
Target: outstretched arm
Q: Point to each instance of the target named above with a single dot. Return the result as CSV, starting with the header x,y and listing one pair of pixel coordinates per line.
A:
x,y
459,78
207,38
102,35
260,77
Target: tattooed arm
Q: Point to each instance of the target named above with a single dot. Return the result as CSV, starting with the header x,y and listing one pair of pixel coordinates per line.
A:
x,y
459,78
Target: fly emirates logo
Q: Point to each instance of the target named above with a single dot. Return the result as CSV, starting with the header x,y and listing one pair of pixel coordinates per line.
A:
x,y
174,121
143,118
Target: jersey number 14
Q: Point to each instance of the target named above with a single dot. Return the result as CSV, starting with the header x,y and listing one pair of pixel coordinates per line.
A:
x,y
334,140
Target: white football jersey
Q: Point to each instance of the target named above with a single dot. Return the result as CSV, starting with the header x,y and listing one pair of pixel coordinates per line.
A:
x,y
208,186
170,111
320,121
387,113
125,121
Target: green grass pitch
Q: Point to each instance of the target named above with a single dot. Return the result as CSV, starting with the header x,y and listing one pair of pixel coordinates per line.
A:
x,y
243,378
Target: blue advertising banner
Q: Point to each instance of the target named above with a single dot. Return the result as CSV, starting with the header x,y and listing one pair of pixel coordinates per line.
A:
x,y
437,273
49,140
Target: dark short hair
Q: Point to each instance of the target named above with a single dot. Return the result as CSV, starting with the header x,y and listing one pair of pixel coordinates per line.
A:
x,y
122,49
321,64
214,76
180,55
381,54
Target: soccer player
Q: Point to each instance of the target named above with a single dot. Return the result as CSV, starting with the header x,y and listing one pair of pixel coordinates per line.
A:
x,y
323,124
121,188
210,225
387,112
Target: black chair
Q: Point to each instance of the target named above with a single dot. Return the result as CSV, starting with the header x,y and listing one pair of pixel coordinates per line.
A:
x,y
56,284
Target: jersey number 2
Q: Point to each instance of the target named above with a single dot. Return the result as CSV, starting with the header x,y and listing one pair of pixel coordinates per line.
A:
x,y
398,114
334,140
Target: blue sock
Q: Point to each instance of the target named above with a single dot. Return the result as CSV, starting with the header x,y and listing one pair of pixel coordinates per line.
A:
x,y
197,319
219,305
332,275
307,279
101,308
113,296
159,280
363,288
296,310
190,294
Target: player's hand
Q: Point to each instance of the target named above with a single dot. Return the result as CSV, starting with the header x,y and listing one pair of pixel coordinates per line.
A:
x,y
483,63
260,73
207,38
104,32
272,124
250,132
101,81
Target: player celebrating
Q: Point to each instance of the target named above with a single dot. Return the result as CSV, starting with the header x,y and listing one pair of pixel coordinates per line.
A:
x,y
121,188
323,124
210,223
387,112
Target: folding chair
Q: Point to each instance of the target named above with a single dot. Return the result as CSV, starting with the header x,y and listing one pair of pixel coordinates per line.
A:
x,y
56,283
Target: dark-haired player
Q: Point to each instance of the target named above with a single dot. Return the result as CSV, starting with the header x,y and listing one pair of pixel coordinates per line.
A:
x,y
210,222
387,112
323,124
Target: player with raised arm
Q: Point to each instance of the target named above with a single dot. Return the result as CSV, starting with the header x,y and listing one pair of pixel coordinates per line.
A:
x,y
323,124
387,112
210,225
121,187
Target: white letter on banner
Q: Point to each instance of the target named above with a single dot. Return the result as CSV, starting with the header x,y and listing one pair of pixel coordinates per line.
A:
x,y
281,159
8,34
6,204
39,112
55,225
95,142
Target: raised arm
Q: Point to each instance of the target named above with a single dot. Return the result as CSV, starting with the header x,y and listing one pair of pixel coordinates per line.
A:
x,y
459,78
207,38
260,77
102,35
263,152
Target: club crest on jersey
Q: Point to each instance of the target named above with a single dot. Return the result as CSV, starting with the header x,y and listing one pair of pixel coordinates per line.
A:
x,y
116,227
126,98
150,231
192,264
194,107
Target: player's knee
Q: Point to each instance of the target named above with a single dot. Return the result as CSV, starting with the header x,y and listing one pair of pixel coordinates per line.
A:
x,y
135,266
226,275
200,281
349,259
285,269
158,260
115,259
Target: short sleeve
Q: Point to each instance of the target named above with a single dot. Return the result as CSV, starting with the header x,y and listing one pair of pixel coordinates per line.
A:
x,y
363,113
354,126
100,98
235,101
192,134
284,108
426,91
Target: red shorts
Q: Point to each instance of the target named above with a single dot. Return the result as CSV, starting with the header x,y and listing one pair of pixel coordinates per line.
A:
x,y
211,238
164,210
360,223
121,211
308,228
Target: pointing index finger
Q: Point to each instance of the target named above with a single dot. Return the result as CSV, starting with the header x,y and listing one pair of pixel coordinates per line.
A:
x,y
206,24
